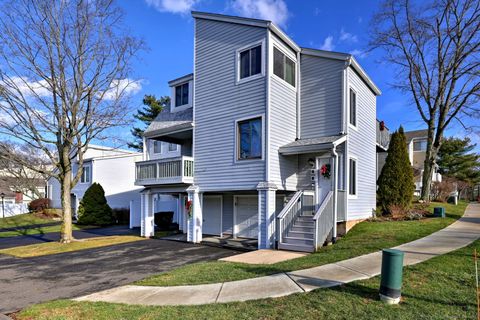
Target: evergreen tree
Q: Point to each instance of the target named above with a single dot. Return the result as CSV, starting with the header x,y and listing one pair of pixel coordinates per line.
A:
x,y
457,160
396,184
94,209
152,107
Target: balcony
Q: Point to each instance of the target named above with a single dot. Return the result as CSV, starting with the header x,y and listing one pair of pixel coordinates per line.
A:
x,y
164,171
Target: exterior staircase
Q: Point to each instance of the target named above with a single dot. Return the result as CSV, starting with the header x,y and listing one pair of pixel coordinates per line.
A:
x,y
301,228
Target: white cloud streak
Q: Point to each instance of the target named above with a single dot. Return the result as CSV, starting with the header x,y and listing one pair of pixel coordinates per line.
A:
x,y
172,6
346,36
328,44
122,87
273,10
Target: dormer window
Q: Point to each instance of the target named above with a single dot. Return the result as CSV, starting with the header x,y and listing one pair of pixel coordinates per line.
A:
x,y
181,95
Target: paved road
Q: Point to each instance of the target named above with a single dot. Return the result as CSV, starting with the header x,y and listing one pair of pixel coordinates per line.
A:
x,y
17,241
28,281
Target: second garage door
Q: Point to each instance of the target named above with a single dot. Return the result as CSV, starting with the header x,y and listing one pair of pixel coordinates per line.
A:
x,y
246,216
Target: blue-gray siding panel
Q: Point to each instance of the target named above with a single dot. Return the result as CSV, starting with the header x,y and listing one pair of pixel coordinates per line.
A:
x,y
227,219
219,101
283,130
321,96
362,144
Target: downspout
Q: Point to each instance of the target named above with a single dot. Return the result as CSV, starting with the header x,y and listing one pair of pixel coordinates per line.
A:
x,y
299,79
335,194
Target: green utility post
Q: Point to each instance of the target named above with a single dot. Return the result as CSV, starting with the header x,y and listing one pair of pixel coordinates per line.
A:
x,y
392,269
439,212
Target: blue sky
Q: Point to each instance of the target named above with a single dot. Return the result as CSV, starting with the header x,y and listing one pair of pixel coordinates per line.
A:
x,y
167,28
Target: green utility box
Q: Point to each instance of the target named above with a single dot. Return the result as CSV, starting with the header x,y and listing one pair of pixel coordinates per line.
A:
x,y
392,270
439,212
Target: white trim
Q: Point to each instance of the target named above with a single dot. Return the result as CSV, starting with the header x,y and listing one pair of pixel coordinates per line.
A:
x,y
237,62
173,108
267,107
352,196
221,210
350,125
236,145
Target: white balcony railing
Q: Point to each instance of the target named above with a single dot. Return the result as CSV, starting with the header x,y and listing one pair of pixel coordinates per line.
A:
x,y
164,171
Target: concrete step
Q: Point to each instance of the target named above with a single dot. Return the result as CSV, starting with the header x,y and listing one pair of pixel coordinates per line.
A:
x,y
305,218
300,234
298,241
309,229
293,247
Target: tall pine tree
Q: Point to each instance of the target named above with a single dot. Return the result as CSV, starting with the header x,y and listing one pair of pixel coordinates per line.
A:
x,y
457,160
152,107
396,184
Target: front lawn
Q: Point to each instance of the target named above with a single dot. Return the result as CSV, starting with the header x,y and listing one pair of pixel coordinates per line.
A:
x,y
441,288
23,220
365,237
47,248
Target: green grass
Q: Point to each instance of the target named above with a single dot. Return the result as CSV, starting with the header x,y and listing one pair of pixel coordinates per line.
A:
x,y
365,237
48,248
31,224
441,288
22,220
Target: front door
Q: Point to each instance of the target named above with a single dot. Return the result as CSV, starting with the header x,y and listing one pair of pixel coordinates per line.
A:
x,y
324,178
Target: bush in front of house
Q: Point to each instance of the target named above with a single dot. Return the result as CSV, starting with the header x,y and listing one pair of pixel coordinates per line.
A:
x,y
39,205
94,209
396,184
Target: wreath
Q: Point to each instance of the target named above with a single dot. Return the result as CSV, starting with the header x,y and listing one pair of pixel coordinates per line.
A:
x,y
325,171
188,207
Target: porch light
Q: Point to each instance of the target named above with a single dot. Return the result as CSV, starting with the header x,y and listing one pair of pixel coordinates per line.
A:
x,y
311,162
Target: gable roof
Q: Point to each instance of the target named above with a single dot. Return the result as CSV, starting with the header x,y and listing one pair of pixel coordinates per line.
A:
x,y
410,135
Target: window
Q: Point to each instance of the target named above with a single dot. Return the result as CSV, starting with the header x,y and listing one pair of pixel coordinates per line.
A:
x,y
157,146
352,178
420,145
250,62
85,178
353,108
181,95
172,147
250,139
283,67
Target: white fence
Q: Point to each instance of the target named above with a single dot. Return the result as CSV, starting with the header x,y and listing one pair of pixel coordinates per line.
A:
x,y
13,209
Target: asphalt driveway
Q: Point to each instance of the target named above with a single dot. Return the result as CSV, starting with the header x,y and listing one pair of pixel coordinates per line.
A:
x,y
28,281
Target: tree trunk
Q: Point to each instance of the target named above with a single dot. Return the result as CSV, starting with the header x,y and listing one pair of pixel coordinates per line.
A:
x,y
66,235
427,180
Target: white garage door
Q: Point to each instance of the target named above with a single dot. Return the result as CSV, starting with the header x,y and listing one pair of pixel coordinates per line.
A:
x,y
212,215
246,216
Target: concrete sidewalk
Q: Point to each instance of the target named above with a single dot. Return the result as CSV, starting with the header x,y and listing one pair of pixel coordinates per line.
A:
x,y
459,234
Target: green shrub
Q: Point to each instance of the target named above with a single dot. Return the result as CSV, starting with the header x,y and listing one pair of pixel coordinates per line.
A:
x,y
396,184
94,209
39,205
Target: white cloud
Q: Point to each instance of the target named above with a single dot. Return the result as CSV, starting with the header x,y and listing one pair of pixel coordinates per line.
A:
x,y
273,10
28,87
346,36
122,87
173,6
328,44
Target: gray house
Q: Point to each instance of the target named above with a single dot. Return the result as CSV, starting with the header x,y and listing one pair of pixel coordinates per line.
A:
x,y
265,140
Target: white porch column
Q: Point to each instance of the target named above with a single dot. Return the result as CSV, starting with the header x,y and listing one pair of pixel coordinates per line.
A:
x,y
142,215
266,215
195,218
148,217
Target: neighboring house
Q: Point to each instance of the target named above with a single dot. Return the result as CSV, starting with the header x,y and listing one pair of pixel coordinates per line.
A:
x,y
23,186
114,170
383,140
265,140
11,202
417,147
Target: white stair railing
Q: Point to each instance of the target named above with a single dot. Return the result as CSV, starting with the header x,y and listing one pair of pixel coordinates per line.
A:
x,y
323,220
287,216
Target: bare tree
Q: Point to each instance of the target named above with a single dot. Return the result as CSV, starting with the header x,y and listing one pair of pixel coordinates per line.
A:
x,y
435,47
18,175
64,80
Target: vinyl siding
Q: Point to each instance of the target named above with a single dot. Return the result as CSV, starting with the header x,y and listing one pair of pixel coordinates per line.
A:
x,y
219,102
362,145
283,127
321,96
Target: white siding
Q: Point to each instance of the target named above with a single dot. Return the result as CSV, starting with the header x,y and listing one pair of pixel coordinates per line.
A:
x,y
361,144
219,101
283,126
321,96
